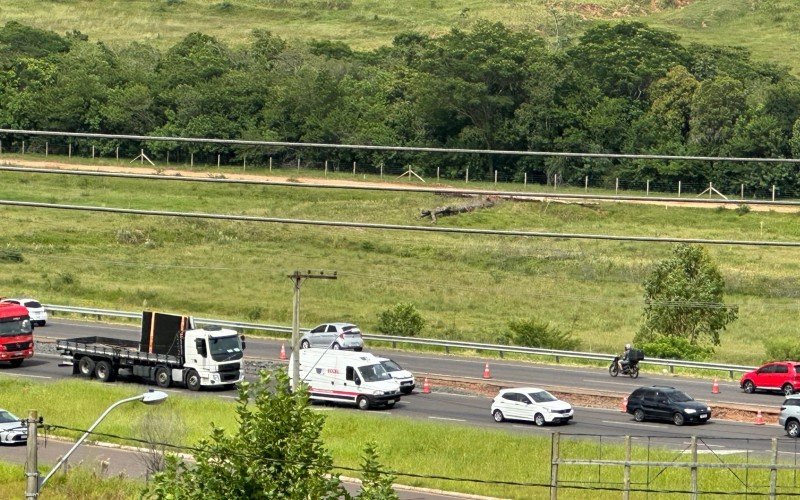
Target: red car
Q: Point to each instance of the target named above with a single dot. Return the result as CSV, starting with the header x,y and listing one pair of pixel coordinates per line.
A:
x,y
781,376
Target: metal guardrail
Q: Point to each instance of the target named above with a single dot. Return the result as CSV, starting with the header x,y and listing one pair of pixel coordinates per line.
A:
x,y
447,344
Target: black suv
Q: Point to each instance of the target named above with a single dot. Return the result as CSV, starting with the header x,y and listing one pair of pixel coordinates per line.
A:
x,y
666,403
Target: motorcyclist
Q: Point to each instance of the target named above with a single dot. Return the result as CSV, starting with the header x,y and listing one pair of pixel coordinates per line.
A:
x,y
625,358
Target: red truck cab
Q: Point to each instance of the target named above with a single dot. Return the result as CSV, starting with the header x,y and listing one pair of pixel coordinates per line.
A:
x,y
16,334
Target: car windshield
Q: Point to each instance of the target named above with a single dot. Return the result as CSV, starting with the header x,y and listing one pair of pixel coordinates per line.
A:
x,y
225,348
679,397
391,366
6,417
15,327
542,397
374,373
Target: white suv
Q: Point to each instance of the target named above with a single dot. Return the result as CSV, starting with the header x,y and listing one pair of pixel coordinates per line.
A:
x,y
36,311
790,416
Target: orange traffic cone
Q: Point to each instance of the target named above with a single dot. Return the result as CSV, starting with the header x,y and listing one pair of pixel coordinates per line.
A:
x,y
759,418
715,387
426,387
486,372
283,352
623,406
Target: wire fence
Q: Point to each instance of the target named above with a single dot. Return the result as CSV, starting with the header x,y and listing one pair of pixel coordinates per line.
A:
x,y
226,156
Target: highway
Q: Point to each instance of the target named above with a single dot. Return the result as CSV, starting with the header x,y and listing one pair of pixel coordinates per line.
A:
x,y
450,406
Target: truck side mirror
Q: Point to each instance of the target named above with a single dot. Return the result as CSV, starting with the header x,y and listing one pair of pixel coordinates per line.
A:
x,y
244,344
200,344
358,380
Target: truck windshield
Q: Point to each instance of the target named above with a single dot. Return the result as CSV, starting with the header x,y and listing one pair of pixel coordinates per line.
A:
x,y
15,327
374,373
225,348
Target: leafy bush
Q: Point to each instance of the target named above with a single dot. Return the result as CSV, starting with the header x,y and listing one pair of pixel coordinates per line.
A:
x,y
9,254
402,319
785,348
534,333
675,348
743,209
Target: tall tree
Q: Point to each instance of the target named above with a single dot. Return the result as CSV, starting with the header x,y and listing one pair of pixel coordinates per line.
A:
x,y
684,299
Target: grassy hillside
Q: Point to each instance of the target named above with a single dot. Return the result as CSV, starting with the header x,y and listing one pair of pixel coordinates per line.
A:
x,y
767,28
467,287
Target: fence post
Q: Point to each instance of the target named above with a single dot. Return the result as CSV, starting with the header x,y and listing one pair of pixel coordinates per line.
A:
x,y
742,191
298,163
710,189
354,168
679,189
626,472
244,163
118,155
270,164
526,180
467,177
586,184
69,150
218,160
773,472
326,168
381,170
773,191
437,174
46,148
495,177
92,152
648,187
555,181
1,147
191,160
554,459
616,186
23,147
694,495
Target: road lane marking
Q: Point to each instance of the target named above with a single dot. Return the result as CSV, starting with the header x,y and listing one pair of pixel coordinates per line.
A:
x,y
448,419
24,375
628,424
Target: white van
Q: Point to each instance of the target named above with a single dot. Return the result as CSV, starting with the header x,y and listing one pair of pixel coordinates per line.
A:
x,y
347,377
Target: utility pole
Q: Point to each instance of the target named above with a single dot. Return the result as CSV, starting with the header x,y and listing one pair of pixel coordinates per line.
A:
x,y
32,463
297,277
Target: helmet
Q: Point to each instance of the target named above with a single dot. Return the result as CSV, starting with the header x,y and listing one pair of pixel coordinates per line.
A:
x,y
627,346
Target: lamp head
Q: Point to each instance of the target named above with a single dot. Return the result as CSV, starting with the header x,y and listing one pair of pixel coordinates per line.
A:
x,y
152,397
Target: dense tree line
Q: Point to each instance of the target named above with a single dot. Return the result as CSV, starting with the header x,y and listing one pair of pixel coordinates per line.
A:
x,y
619,88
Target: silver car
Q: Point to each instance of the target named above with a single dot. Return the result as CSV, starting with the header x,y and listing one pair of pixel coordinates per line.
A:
x,y
790,416
333,336
12,430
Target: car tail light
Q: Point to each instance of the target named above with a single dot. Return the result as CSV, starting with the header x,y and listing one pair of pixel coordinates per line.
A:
x,y
341,336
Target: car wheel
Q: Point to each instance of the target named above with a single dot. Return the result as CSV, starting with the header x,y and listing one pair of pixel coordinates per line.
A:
x,y
104,371
42,323
336,346
358,349
498,416
538,419
390,405
363,403
407,390
749,387
163,377
677,419
793,428
787,389
86,367
193,380
15,363
638,415
305,344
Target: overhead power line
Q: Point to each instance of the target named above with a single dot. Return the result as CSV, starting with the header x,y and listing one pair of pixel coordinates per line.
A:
x,y
398,188
398,227
409,149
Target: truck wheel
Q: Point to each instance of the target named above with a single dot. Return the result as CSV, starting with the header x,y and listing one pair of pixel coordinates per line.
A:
x,y
363,403
86,367
15,363
192,380
104,371
163,377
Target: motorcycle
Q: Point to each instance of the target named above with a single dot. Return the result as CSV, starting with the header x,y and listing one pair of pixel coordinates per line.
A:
x,y
631,368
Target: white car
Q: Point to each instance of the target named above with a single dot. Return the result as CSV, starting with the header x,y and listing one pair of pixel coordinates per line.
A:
x,y
333,336
404,377
36,311
530,403
12,430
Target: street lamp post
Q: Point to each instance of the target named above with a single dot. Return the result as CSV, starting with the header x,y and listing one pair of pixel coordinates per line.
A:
x,y
149,398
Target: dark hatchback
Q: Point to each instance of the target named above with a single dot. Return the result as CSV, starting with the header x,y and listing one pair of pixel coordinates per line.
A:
x,y
666,403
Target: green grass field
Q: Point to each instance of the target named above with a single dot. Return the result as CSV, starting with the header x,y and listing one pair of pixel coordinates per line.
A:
x,y
405,445
466,287
766,28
